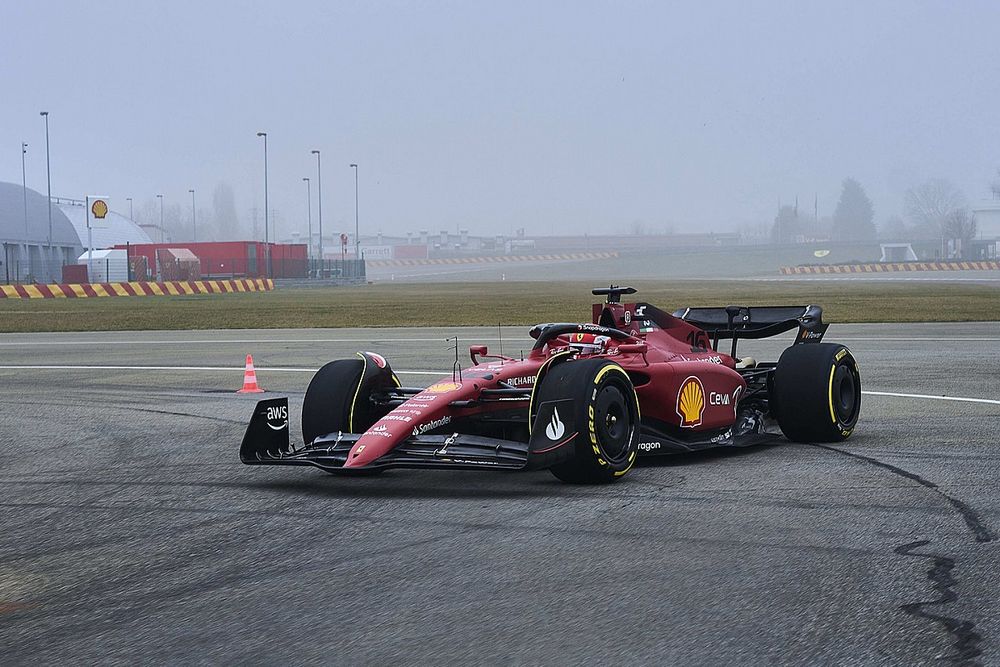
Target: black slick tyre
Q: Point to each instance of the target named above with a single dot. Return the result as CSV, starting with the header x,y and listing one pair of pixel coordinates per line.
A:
x,y
606,419
817,392
332,393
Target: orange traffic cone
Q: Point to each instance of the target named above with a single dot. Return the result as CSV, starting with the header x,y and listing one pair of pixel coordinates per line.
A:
x,y
250,379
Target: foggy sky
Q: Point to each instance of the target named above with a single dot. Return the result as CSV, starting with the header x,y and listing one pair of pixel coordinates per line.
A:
x,y
490,116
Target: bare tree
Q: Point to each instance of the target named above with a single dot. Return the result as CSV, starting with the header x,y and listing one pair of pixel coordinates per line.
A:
x,y
929,204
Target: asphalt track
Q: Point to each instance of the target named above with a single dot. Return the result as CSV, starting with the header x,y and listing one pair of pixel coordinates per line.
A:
x,y
131,533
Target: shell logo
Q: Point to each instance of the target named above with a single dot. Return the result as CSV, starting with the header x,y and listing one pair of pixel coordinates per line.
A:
x,y
691,402
442,387
99,209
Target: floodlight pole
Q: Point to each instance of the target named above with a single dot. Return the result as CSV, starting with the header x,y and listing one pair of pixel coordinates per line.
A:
x,y
319,191
267,237
194,221
24,194
357,236
48,174
309,214
160,197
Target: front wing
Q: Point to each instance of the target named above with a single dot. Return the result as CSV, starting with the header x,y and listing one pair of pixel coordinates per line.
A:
x,y
266,442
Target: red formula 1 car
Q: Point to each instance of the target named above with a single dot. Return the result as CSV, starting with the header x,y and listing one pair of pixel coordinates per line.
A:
x,y
585,402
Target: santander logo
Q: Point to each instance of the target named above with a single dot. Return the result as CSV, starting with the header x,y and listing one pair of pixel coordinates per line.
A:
x,y
555,429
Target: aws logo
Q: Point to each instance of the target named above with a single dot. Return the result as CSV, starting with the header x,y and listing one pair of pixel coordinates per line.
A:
x,y
691,402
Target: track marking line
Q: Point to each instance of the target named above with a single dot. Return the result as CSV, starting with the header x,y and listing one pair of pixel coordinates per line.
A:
x,y
217,341
280,369
961,399
369,341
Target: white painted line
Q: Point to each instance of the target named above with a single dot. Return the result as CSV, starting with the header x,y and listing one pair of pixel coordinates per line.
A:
x,y
276,369
909,339
370,341
962,399
216,341
279,369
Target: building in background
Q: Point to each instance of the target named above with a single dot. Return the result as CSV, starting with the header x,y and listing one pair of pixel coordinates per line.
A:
x,y
27,256
116,230
220,259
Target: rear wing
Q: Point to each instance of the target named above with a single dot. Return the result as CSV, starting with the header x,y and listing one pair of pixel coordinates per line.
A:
x,y
757,322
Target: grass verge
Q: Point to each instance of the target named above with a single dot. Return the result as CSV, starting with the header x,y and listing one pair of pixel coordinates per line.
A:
x,y
512,303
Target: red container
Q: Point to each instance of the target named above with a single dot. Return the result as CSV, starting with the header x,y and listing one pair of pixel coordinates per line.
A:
x,y
75,274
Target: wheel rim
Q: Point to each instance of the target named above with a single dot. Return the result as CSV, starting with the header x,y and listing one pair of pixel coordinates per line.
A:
x,y
612,422
845,394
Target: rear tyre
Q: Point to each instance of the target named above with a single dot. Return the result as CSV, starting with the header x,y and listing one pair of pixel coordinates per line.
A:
x,y
332,393
817,392
606,419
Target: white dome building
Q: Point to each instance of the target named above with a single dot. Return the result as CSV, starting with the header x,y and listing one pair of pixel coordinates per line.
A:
x,y
117,229
24,232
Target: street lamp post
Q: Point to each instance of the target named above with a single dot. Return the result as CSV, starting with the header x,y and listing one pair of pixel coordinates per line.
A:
x,y
160,197
130,216
48,176
309,213
194,220
24,194
357,237
319,192
267,237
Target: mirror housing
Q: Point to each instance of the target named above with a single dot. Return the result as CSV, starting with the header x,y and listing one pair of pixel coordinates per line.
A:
x,y
477,351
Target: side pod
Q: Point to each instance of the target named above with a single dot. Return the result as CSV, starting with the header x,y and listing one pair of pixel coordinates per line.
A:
x,y
266,437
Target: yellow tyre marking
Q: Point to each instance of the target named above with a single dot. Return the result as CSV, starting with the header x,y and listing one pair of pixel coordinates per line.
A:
x,y
78,290
609,367
33,292
833,417
99,289
119,289
354,401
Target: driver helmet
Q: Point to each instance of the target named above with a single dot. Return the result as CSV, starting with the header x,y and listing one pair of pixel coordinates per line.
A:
x,y
586,343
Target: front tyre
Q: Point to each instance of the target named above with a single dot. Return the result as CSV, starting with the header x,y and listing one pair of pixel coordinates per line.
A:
x,y
339,397
605,419
817,392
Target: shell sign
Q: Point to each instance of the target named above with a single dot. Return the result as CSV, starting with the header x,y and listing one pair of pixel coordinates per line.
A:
x,y
99,208
97,213
691,402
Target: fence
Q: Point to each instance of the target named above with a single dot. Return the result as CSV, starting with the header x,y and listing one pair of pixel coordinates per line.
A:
x,y
138,268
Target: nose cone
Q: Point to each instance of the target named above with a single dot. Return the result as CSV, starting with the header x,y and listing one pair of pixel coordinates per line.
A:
x,y
375,443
